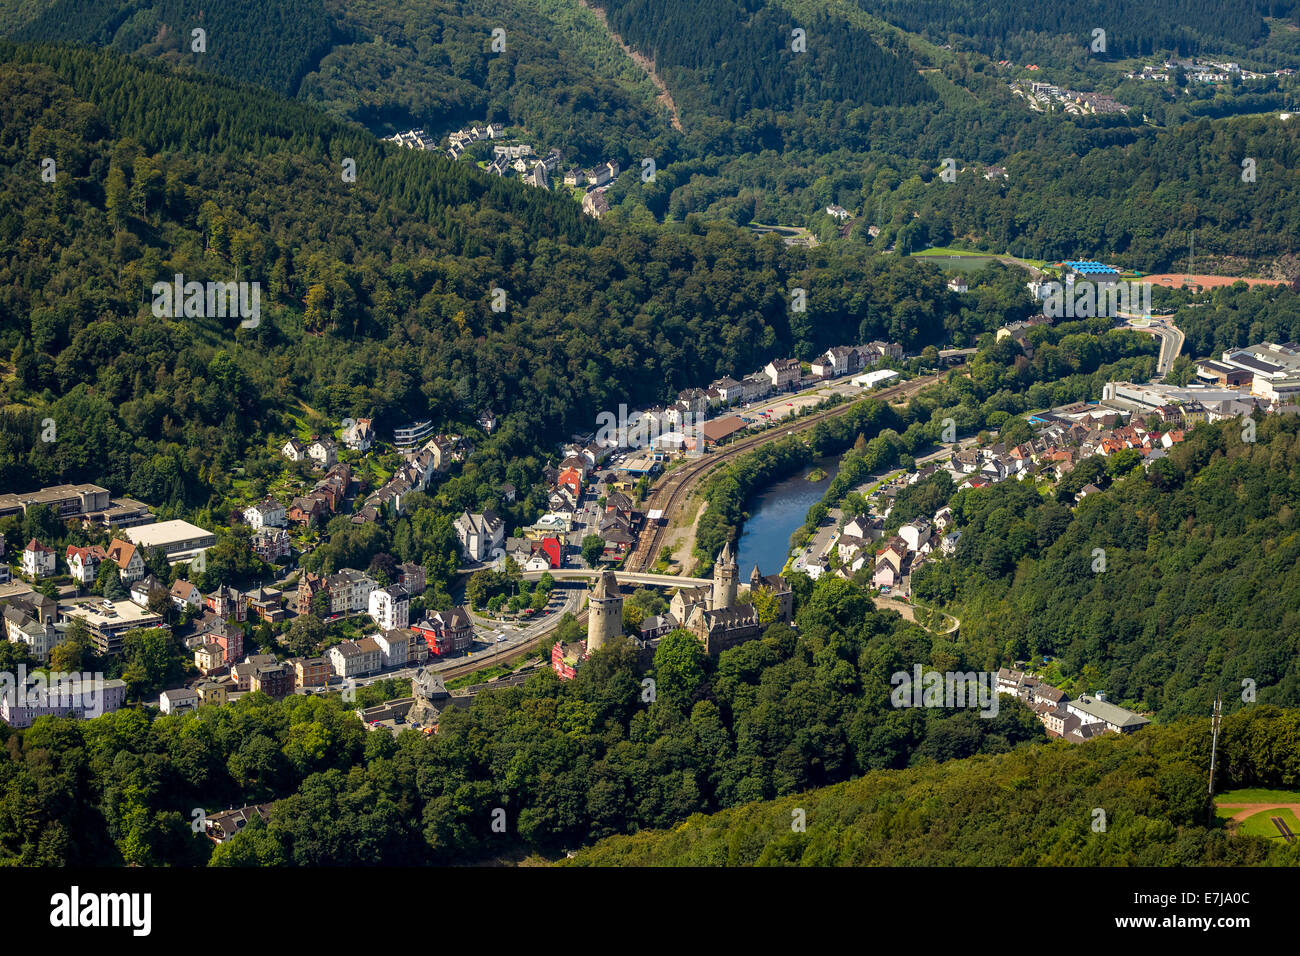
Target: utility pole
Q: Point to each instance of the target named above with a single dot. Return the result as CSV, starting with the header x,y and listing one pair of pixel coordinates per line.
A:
x,y
1215,719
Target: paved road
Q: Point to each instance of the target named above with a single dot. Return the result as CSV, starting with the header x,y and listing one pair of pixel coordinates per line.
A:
x,y
1171,339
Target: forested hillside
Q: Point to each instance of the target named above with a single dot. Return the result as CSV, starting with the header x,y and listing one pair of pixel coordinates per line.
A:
x,y
1035,806
1124,195
391,64
273,44
1199,589
1059,32
377,294
862,118
734,57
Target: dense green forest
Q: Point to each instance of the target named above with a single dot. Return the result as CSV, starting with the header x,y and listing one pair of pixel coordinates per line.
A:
x,y
377,293
391,64
1134,197
1200,586
862,118
273,44
1034,806
1058,32
734,57
569,761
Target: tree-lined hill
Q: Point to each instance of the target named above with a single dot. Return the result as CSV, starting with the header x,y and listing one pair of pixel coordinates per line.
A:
x,y
377,294
1061,32
1035,806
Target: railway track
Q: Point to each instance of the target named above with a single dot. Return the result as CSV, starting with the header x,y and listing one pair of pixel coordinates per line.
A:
x,y
515,652
671,492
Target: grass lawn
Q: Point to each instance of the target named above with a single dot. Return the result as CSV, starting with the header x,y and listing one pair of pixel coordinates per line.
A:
x,y
946,251
1257,795
1261,824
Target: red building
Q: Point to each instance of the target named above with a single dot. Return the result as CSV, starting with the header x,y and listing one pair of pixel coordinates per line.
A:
x,y
446,632
225,602
554,551
229,635
566,658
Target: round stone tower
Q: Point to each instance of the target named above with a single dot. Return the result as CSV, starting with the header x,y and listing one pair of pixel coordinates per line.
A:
x,y
726,576
604,612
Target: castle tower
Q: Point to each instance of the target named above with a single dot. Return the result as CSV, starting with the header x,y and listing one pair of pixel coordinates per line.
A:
x,y
604,612
726,576
755,579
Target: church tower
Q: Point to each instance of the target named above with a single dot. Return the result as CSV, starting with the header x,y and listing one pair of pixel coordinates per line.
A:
x,y
604,612
726,576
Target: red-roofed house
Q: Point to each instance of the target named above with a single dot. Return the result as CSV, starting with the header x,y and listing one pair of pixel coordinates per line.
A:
x,y
38,560
83,563
570,478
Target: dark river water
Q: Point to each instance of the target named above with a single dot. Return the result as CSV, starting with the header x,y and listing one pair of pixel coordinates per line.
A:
x,y
775,514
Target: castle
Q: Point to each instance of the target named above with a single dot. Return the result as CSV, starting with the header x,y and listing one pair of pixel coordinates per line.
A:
x,y
711,612
604,612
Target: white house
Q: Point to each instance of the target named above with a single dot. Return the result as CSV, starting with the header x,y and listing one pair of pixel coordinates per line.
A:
x,y
352,658
784,373
390,607
294,450
143,589
323,452
349,591
394,645
38,560
177,701
914,534
126,556
186,595
83,563
359,436
266,514
480,534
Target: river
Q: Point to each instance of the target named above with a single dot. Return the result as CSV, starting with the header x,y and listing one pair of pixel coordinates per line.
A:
x,y
776,513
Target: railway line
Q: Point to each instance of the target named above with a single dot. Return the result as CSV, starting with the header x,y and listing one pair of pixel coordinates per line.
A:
x,y
522,649
671,492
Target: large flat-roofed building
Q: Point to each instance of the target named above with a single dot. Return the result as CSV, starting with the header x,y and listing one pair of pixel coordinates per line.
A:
x,y
91,503
408,436
107,621
1268,358
1126,396
1284,391
872,379
180,540
78,696
1228,376
120,513
67,501
721,428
